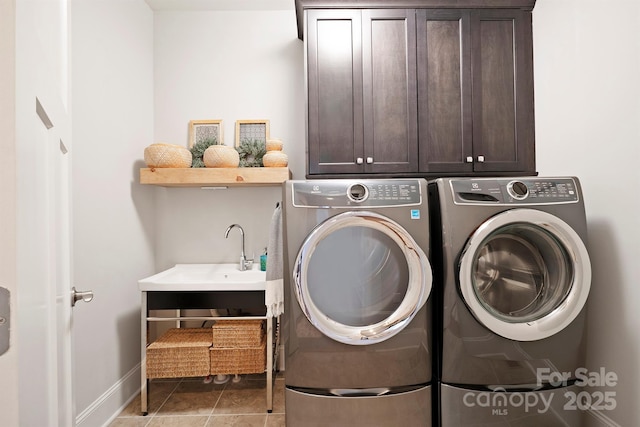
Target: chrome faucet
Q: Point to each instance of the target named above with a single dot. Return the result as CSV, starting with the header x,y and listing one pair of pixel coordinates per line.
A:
x,y
245,264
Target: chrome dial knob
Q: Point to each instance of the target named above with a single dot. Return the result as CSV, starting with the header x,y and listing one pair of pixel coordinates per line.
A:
x,y
518,190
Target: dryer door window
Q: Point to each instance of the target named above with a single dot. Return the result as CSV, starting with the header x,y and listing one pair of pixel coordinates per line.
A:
x,y
525,274
360,278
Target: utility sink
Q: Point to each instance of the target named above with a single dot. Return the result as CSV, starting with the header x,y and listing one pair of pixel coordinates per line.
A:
x,y
196,277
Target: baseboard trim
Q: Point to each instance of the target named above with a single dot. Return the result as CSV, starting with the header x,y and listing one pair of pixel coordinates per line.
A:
x,y
602,418
112,402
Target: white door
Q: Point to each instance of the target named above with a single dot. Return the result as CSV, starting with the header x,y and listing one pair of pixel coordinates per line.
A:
x,y
8,216
43,138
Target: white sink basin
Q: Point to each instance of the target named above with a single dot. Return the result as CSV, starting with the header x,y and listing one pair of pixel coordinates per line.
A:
x,y
196,277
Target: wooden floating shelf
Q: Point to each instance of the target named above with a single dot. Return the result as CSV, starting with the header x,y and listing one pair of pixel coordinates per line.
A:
x,y
210,177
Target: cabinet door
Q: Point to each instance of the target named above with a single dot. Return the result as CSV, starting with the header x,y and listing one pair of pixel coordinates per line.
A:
x,y
334,80
389,94
444,91
502,67
475,91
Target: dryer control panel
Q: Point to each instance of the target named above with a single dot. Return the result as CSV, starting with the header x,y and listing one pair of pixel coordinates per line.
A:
x,y
520,191
353,193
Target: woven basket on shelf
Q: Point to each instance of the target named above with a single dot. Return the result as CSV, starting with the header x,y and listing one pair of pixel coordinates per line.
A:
x,y
180,352
238,333
221,156
250,360
274,157
163,155
274,145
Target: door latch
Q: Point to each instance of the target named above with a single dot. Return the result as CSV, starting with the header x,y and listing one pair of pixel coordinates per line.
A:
x,y
5,315
76,296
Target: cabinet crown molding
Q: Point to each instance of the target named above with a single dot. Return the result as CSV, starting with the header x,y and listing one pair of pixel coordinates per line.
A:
x,y
301,5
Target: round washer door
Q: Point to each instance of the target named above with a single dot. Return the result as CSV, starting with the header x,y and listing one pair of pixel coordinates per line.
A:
x,y
525,274
360,278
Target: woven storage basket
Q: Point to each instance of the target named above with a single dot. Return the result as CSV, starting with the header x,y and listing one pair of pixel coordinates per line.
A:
x,y
221,156
238,333
273,145
162,155
180,352
251,360
275,159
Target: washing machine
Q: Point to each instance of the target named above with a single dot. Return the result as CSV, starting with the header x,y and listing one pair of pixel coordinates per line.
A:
x,y
513,276
357,321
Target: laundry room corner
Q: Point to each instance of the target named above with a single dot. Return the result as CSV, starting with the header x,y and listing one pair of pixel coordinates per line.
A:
x,y
587,62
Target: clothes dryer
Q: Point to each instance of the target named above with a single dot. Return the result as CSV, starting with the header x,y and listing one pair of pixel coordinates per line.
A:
x,y
357,319
513,277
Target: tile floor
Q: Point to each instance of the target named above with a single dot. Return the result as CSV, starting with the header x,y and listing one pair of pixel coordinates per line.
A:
x,y
189,402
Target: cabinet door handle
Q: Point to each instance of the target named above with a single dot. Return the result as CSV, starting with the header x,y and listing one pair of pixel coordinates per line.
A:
x,y
369,160
480,159
359,160
469,159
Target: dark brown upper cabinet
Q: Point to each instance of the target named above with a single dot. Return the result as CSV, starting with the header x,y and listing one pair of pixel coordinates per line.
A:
x,y
302,5
421,91
475,86
362,91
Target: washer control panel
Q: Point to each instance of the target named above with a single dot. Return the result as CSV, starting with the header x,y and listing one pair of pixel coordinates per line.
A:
x,y
514,190
350,193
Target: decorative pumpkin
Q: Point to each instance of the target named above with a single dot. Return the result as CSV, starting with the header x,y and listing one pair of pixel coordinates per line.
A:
x,y
221,156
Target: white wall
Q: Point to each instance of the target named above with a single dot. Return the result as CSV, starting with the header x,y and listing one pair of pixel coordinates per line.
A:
x,y
587,86
113,220
228,65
